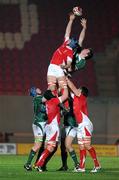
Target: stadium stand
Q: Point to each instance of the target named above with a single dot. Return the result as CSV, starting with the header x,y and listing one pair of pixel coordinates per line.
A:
x,y
30,31
29,34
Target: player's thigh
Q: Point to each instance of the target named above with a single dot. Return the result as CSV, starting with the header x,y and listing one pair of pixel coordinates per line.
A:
x,y
71,131
55,70
62,81
68,141
52,79
52,132
70,135
84,134
38,131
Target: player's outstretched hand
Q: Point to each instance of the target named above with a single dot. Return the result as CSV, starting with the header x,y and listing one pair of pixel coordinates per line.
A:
x,y
84,22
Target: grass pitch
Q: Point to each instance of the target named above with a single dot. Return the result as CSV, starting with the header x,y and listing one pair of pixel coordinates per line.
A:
x,y
11,168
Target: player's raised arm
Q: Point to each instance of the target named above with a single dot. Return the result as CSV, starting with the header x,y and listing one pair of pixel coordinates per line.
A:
x,y
64,95
69,25
83,32
73,88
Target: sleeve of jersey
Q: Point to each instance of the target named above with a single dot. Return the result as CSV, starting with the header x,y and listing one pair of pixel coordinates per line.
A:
x,y
65,42
69,59
70,55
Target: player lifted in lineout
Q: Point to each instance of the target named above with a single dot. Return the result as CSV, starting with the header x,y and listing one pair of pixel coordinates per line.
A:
x,y
62,57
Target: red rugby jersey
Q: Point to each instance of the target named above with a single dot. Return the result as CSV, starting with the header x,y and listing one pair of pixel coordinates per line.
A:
x,y
61,54
80,105
53,110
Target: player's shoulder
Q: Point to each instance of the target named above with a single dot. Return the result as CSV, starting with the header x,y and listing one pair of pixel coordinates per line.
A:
x,y
38,98
81,97
53,100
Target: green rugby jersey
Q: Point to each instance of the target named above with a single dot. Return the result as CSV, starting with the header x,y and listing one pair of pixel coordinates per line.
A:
x,y
39,110
79,64
69,118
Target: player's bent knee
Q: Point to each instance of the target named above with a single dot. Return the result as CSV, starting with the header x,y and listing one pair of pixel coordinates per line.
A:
x,y
36,146
51,146
80,142
38,139
68,146
87,146
62,84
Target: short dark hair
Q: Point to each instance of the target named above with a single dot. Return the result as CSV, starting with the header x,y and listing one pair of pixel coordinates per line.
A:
x,y
48,95
84,91
90,54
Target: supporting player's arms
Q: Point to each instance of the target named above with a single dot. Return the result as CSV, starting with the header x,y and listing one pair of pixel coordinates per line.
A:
x,y
73,87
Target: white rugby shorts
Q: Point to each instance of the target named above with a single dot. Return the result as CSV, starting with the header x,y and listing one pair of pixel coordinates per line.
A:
x,y
55,70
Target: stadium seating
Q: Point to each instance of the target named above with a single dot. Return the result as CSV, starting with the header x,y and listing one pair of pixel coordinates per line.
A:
x,y
31,31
